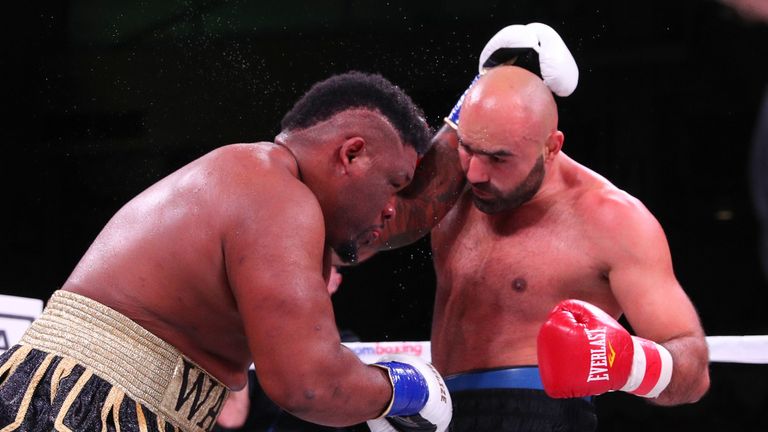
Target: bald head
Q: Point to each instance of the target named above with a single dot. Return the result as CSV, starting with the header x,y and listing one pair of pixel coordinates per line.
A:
x,y
510,98
508,137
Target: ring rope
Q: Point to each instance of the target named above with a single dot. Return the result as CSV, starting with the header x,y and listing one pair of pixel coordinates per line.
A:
x,y
722,349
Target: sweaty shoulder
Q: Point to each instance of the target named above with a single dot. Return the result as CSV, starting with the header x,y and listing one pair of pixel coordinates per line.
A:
x,y
254,160
260,180
616,219
257,166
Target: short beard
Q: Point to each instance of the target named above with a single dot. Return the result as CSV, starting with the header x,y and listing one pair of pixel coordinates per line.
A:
x,y
519,196
347,251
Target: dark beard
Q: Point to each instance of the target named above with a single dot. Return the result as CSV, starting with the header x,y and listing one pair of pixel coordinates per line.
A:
x,y
519,196
347,251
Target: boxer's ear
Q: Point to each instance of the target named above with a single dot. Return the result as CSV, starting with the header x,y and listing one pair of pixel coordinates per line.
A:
x,y
350,150
553,145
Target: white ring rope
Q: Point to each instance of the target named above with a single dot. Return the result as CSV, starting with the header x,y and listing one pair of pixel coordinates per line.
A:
x,y
16,314
722,349
738,349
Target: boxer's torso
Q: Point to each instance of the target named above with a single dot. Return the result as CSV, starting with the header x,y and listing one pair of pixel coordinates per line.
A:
x,y
499,276
160,259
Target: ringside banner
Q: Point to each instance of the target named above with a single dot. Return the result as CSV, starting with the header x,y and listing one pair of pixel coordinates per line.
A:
x,y
16,314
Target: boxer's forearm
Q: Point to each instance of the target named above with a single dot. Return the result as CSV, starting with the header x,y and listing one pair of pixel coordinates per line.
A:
x,y
690,376
333,390
436,186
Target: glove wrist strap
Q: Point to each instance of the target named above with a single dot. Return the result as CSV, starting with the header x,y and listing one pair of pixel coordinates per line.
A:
x,y
651,369
409,389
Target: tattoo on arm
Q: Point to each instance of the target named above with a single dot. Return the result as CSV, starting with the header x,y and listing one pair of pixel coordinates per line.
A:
x,y
437,185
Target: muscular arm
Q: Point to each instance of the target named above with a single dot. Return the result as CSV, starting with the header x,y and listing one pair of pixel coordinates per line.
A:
x,y
274,255
436,186
655,305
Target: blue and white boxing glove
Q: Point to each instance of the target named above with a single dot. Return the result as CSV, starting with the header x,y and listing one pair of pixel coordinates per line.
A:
x,y
536,47
420,399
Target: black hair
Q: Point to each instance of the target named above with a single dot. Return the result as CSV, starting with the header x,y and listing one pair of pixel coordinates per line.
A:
x,y
361,90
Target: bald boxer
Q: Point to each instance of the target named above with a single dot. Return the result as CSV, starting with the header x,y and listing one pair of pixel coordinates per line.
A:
x,y
535,263
535,228
224,263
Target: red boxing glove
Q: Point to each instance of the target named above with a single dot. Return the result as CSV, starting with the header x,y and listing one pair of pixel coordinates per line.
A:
x,y
583,351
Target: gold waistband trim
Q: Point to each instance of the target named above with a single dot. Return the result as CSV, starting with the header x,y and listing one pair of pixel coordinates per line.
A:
x,y
148,369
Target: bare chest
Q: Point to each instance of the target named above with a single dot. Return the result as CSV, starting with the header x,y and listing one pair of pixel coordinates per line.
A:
x,y
516,270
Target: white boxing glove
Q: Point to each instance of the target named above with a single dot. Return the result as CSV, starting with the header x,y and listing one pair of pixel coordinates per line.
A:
x,y
535,47
420,399
514,44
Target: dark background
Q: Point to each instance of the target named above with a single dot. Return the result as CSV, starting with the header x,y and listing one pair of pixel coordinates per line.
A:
x,y
103,98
